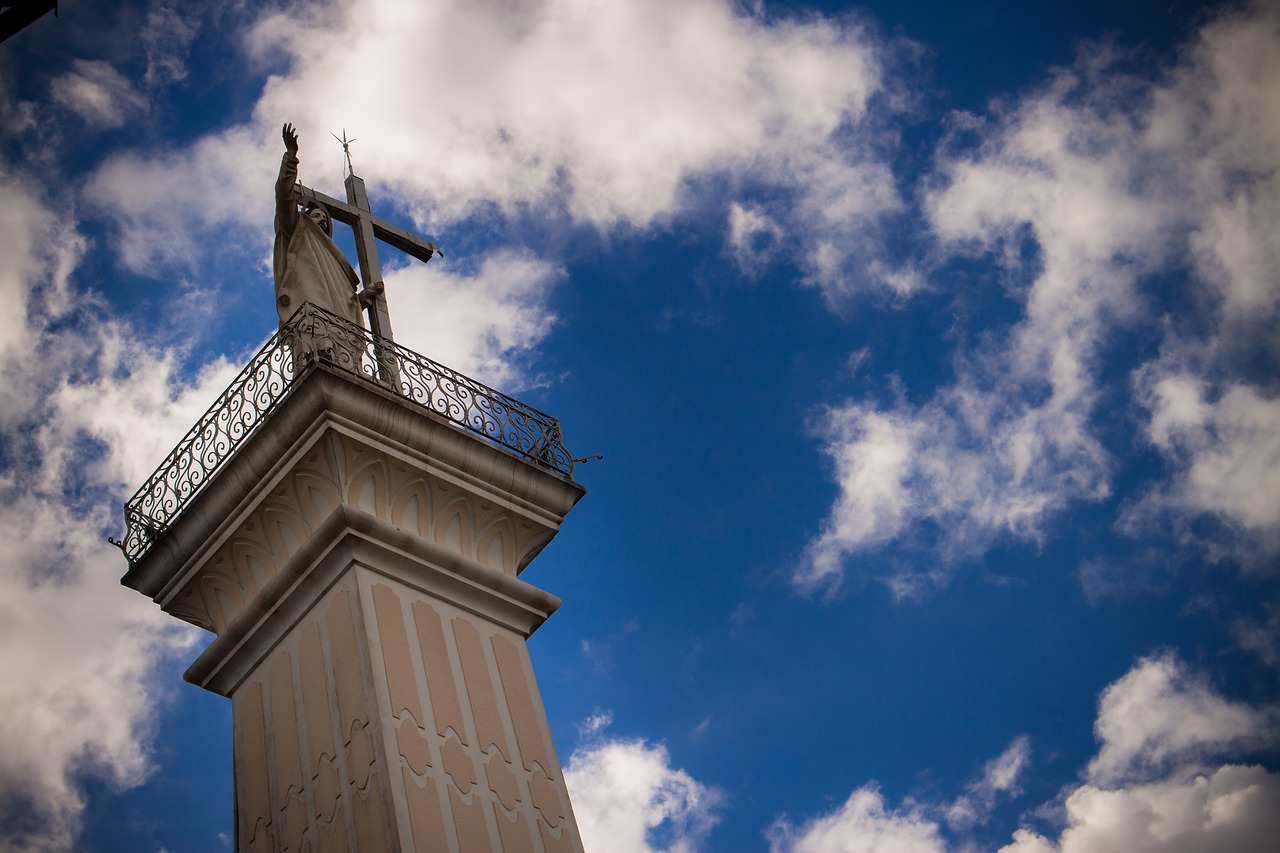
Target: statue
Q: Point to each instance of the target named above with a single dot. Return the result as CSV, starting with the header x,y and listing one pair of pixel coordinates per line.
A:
x,y
308,266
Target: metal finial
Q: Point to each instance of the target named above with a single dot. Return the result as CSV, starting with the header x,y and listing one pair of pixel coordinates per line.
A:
x,y
346,148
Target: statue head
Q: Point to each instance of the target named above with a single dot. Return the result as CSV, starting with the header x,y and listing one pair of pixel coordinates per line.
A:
x,y
319,214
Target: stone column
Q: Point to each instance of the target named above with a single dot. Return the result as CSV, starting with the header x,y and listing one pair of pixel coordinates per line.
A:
x,y
358,560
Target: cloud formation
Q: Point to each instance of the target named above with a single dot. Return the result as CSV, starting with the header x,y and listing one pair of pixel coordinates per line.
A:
x,y
76,649
862,825
609,116
1161,715
1230,808
100,95
1087,191
629,799
999,778
1157,783
483,321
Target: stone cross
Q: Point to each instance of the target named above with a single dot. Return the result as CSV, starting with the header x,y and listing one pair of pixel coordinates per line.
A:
x,y
369,229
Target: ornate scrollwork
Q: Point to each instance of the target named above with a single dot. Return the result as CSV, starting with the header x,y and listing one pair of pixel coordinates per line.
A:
x,y
314,336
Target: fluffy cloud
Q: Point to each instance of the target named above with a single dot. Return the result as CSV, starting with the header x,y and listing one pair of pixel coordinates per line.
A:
x,y
607,114
862,825
482,322
1230,808
999,778
38,250
1084,191
1156,784
99,94
85,408
866,824
1161,715
166,38
77,650
628,798
169,209
1149,789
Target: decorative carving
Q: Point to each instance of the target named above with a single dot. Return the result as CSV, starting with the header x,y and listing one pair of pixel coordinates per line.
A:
x,y
479,681
468,820
425,819
360,758
284,728
370,820
413,746
546,799
440,682
402,683
326,790
552,844
533,749
502,782
293,823
513,830
458,765
352,711
254,797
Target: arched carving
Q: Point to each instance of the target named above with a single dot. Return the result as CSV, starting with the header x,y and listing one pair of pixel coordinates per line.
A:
x,y
495,544
411,506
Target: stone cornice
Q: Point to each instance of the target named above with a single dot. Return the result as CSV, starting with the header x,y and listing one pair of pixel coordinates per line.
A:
x,y
328,400
350,537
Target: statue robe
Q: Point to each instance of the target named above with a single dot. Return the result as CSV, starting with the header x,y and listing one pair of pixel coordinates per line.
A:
x,y
308,266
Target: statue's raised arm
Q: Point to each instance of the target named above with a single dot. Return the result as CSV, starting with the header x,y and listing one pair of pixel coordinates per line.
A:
x,y
308,266
286,207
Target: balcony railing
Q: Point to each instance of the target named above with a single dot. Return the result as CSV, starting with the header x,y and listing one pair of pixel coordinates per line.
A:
x,y
310,337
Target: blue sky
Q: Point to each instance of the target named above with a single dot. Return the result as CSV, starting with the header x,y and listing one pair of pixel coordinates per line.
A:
x,y
932,349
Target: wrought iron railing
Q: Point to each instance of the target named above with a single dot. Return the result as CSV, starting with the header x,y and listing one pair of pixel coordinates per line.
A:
x,y
313,336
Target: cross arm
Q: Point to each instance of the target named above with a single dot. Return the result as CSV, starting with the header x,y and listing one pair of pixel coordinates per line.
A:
x,y
398,238
393,236
339,210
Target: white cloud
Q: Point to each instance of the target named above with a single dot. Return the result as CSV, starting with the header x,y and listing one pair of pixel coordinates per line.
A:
x,y
754,236
482,322
1260,636
999,778
99,94
76,650
1161,715
37,251
627,798
171,208
1230,808
1226,450
1214,409
1084,190
603,113
865,824
166,38
873,454
87,410
1156,783
862,825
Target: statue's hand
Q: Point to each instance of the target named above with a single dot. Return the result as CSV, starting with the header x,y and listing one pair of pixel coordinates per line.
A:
x,y
290,139
370,294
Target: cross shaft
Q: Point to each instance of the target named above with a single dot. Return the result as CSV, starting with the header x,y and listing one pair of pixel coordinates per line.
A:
x,y
369,229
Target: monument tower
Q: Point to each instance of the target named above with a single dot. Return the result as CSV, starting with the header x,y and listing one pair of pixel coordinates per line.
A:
x,y
350,519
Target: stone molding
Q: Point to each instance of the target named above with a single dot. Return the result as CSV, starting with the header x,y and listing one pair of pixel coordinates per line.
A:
x,y
328,401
